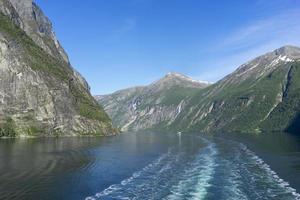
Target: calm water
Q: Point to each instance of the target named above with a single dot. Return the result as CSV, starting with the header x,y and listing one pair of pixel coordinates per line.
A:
x,y
151,166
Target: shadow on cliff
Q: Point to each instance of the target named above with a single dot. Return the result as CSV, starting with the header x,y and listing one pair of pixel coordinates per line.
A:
x,y
294,127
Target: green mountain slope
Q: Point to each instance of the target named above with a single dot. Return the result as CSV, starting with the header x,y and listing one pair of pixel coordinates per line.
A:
x,y
260,95
152,106
40,93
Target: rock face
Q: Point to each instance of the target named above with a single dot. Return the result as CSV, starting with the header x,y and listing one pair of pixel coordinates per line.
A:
x,y
37,26
261,95
40,93
152,106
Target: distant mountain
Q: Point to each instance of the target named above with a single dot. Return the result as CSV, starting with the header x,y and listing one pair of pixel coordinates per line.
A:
x,y
152,106
261,95
40,93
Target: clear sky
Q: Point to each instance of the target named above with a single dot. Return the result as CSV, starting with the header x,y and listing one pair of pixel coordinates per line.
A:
x,y
117,44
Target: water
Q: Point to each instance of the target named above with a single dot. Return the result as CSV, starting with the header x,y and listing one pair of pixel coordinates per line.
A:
x,y
151,166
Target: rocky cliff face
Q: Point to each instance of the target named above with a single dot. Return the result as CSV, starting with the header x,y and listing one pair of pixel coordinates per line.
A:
x,y
31,19
40,93
154,106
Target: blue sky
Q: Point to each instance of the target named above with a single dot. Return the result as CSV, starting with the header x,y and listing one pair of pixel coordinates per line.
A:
x,y
117,44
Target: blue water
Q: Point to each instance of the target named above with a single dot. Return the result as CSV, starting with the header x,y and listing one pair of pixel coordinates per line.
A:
x,y
141,166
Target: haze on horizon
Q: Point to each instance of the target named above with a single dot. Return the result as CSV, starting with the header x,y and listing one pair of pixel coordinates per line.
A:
x,y
122,43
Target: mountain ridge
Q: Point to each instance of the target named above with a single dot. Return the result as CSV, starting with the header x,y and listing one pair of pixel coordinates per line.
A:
x,y
179,76
245,100
155,103
165,78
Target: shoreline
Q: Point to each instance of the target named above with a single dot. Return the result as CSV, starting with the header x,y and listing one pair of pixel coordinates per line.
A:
x,y
65,136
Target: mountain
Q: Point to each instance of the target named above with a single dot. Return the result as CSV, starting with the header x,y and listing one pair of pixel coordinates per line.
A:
x,y
152,106
40,93
261,95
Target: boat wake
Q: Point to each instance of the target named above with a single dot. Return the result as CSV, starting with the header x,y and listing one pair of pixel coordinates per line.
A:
x,y
218,170
197,176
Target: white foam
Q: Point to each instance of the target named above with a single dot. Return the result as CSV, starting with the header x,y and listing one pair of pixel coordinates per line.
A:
x,y
115,187
272,175
197,176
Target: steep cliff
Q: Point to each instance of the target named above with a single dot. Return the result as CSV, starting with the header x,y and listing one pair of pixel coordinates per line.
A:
x,y
40,93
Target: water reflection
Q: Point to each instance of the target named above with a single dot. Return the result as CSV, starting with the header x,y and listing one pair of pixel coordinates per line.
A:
x,y
31,166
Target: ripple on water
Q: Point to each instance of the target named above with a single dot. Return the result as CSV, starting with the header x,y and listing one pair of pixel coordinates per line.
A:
x,y
166,177
219,171
114,188
266,181
243,175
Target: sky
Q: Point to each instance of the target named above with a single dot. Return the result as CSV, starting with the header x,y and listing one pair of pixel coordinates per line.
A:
x,y
116,44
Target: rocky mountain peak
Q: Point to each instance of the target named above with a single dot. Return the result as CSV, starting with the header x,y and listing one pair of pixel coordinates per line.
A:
x,y
289,51
178,78
264,64
176,75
